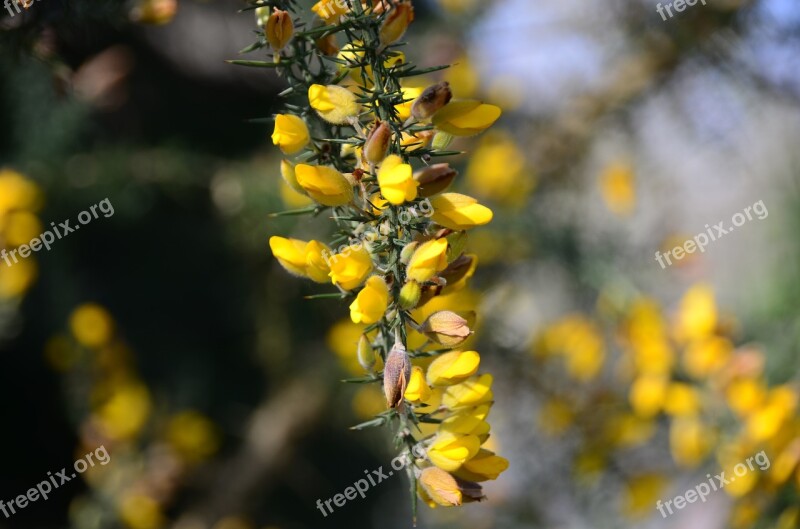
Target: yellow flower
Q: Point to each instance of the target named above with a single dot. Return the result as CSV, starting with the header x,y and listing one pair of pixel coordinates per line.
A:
x,y
459,212
350,267
417,390
91,325
428,259
472,392
483,467
334,104
466,118
370,304
301,258
745,395
617,184
453,367
396,180
449,451
15,280
466,424
290,133
326,185
139,511
641,494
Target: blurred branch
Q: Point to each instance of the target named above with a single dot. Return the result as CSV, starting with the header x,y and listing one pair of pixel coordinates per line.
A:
x,y
274,427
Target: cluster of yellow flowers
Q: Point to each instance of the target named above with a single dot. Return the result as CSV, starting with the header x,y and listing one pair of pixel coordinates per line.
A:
x,y
686,374
114,408
402,236
20,200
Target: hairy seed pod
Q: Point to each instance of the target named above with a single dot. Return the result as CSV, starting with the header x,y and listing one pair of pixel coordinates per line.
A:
x,y
396,375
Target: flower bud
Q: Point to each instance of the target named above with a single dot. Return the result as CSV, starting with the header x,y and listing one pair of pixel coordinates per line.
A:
x,y
409,295
327,45
377,144
396,23
434,179
446,328
279,29
445,489
396,375
366,356
407,252
459,271
431,100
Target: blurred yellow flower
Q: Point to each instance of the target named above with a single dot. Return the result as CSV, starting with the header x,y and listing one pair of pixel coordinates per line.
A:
x,y
156,12
371,302
124,414
139,511
690,441
697,315
647,395
641,493
342,339
410,93
704,357
555,416
745,395
618,187
17,192
681,400
193,436
497,171
91,325
21,227
17,279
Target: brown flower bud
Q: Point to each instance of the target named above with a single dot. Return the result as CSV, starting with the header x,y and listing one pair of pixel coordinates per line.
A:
x,y
377,144
431,100
279,29
409,295
327,45
396,23
396,375
446,328
434,179
447,490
